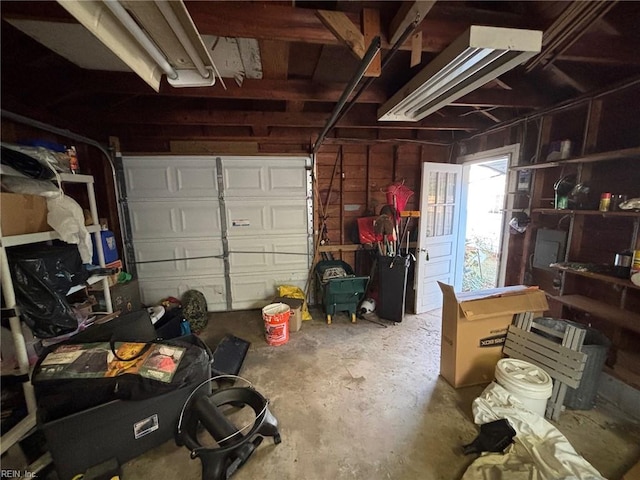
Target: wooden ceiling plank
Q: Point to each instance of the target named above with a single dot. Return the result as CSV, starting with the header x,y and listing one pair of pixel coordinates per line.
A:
x,y
295,106
416,49
258,119
487,114
344,29
579,86
274,55
406,15
371,29
261,21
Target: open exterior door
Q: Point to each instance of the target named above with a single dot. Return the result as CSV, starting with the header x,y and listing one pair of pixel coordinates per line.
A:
x,y
437,253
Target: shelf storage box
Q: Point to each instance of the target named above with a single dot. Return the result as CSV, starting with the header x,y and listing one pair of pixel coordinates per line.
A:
x,y
474,329
22,214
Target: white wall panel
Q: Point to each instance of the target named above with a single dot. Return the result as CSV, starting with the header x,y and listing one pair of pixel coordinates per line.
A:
x,y
196,250
175,219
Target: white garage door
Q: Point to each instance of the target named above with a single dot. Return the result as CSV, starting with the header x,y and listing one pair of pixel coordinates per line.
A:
x,y
235,236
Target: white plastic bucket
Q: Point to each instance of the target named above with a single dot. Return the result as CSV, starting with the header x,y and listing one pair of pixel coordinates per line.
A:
x,y
527,382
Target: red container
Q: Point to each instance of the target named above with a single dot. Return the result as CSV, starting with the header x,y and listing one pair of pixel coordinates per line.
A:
x,y
276,323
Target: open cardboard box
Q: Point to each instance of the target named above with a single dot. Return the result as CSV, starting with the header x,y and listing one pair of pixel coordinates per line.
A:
x,y
474,329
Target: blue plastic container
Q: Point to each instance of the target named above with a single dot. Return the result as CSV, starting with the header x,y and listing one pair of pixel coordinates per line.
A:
x,y
109,248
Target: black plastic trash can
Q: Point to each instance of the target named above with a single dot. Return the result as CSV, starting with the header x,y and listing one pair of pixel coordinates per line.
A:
x,y
392,286
595,346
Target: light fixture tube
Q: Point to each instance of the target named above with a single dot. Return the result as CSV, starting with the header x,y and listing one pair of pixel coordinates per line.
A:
x,y
141,37
478,56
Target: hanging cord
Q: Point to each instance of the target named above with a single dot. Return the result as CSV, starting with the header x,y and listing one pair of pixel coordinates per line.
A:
x,y
248,425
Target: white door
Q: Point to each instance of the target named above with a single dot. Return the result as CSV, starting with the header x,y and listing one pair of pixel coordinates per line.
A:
x,y
232,227
437,251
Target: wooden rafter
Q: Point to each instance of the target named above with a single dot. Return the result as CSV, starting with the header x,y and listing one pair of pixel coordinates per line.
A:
x,y
344,30
256,119
406,15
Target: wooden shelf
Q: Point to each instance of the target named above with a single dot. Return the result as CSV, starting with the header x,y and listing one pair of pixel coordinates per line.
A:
x,y
622,318
595,157
600,276
555,211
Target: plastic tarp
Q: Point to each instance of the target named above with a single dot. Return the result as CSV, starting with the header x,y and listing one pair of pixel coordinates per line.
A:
x,y
539,451
67,219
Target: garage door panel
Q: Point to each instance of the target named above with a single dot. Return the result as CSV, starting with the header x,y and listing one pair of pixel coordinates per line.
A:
x,y
253,291
213,288
157,252
175,214
277,253
273,178
170,177
164,219
273,218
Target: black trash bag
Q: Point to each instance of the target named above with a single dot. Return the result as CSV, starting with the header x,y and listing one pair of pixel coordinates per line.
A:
x,y
494,437
26,164
42,276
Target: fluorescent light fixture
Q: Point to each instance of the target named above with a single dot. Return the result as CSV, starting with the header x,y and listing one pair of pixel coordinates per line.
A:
x,y
478,56
152,37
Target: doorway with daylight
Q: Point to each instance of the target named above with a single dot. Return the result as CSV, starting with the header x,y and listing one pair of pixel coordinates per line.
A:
x,y
485,177
462,233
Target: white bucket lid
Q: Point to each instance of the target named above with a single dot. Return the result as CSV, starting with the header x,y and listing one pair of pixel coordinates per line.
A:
x,y
527,378
275,308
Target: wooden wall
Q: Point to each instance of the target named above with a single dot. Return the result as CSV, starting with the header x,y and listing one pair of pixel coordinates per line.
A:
x,y
352,180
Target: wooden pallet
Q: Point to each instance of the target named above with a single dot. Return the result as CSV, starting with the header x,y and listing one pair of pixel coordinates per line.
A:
x,y
559,356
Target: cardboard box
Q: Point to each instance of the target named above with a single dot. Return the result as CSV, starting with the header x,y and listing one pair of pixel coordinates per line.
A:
x,y
295,304
23,214
634,473
474,329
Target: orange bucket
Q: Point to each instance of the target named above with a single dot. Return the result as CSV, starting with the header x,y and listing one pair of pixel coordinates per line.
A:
x,y
276,323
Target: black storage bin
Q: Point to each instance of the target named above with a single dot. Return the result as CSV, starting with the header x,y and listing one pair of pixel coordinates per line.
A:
x,y
392,286
120,429
595,346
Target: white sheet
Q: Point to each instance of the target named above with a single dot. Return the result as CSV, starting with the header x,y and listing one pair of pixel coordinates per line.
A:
x,y
539,452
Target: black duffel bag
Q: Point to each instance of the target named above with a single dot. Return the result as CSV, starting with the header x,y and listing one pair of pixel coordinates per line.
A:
x,y
59,397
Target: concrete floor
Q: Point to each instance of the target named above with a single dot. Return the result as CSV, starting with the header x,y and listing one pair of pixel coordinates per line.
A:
x,y
366,402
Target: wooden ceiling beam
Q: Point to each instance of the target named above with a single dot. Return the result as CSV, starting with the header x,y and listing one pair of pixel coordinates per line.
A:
x,y
283,90
406,15
274,56
517,98
293,24
600,49
259,120
344,30
270,21
92,83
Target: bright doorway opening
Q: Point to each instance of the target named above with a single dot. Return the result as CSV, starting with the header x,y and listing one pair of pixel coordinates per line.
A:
x,y
485,204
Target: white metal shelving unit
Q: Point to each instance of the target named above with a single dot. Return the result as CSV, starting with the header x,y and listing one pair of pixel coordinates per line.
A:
x,y
24,426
